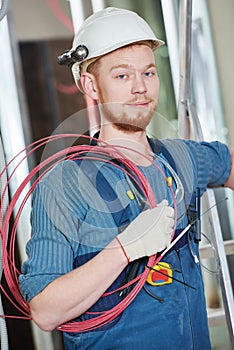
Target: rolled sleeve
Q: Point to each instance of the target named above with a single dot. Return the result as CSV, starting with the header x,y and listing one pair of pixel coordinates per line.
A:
x,y
212,161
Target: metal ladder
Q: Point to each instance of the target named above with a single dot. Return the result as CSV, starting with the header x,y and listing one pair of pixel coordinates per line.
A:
x,y
186,117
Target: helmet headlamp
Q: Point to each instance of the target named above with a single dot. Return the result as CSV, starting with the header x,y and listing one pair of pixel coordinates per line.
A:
x,y
72,56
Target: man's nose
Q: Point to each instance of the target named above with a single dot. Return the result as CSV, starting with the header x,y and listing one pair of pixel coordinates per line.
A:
x,y
138,86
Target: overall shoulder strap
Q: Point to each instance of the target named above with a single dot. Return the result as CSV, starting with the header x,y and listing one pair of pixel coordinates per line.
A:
x,y
177,155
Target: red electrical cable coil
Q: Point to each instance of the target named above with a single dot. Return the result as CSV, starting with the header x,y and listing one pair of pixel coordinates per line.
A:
x,y
8,242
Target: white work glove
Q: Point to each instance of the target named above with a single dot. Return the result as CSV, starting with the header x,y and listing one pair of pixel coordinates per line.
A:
x,y
149,233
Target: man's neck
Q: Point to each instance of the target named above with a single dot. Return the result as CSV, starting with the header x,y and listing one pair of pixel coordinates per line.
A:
x,y
134,145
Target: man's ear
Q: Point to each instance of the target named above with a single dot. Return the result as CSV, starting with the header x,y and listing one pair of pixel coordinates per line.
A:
x,y
89,86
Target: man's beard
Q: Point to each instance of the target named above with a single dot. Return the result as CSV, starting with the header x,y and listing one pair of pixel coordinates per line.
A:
x,y
123,121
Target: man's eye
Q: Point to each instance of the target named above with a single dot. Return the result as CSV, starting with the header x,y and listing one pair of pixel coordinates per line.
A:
x,y
122,76
149,74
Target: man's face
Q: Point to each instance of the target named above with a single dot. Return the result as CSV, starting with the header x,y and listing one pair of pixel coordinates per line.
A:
x,y
128,86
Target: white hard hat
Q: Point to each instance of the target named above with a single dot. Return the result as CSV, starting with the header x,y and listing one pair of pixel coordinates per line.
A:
x,y
103,32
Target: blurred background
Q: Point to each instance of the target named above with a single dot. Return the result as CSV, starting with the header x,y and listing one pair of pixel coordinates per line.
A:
x,y
38,98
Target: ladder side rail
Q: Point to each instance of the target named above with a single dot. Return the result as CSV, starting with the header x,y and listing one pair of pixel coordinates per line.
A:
x,y
186,118
224,276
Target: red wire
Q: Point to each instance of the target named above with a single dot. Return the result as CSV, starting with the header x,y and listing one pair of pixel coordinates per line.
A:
x,y
55,7
66,89
59,14
10,271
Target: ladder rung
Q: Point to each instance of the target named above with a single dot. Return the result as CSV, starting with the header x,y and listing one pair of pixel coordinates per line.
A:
x,y
216,317
207,252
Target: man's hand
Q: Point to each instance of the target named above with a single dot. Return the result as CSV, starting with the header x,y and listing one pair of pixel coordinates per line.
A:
x,y
149,233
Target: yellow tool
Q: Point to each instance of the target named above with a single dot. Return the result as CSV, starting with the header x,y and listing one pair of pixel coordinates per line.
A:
x,y
160,274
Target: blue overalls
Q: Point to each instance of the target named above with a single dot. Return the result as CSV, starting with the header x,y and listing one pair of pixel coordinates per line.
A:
x,y
169,316
70,225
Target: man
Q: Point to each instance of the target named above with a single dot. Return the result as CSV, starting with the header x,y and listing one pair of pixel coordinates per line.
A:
x,y
92,228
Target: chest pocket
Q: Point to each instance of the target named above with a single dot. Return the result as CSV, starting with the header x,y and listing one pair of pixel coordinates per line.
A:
x,y
105,190
121,207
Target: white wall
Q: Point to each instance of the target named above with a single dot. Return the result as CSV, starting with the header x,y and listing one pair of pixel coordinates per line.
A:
x,y
33,20
221,16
